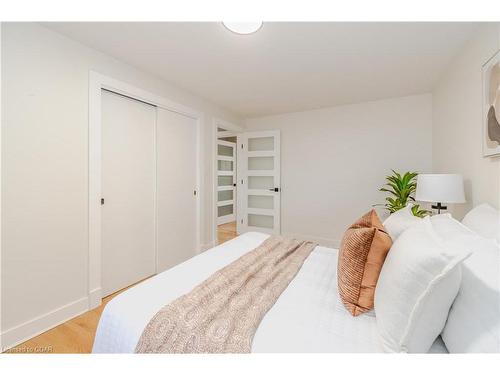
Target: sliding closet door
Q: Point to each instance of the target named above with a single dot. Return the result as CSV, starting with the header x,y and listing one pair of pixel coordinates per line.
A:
x,y
128,185
177,225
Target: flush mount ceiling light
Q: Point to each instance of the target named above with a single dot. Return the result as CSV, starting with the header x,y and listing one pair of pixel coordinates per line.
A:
x,y
243,27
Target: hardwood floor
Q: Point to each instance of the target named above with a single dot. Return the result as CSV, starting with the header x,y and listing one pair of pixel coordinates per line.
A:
x,y
74,336
226,232
77,335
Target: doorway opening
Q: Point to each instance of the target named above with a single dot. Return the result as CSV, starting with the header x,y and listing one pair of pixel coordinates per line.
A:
x,y
225,177
247,188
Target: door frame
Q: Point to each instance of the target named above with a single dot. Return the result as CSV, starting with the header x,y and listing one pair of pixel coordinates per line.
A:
x,y
233,131
97,82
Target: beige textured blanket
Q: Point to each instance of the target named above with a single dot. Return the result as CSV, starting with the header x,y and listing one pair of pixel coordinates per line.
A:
x,y
222,314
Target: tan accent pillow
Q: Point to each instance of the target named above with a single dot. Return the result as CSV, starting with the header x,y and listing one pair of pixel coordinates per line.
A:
x,y
361,256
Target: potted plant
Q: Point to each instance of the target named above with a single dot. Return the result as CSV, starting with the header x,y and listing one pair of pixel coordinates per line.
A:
x,y
401,189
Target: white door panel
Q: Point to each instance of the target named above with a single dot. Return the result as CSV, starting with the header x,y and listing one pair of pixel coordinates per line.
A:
x,y
128,180
226,178
260,181
177,229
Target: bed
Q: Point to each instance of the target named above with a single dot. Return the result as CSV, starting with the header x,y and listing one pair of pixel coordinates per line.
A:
x,y
307,317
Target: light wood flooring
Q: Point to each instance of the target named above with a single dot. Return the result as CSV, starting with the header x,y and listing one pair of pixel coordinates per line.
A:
x,y
74,336
77,335
226,232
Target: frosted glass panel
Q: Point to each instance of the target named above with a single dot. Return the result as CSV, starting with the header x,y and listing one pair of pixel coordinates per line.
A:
x,y
225,195
261,163
225,165
262,221
260,182
225,150
225,210
261,201
261,144
225,180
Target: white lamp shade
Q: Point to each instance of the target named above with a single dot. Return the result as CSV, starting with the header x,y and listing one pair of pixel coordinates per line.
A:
x,y
440,188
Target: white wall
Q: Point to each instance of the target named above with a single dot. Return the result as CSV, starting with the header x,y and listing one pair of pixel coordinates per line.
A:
x,y
334,160
45,172
457,122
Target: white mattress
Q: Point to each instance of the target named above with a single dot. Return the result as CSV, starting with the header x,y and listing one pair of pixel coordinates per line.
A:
x,y
308,316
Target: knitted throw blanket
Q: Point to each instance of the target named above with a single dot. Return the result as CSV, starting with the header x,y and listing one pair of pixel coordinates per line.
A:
x,y
222,314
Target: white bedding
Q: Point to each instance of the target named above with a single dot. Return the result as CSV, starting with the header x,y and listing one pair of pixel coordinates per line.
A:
x,y
308,316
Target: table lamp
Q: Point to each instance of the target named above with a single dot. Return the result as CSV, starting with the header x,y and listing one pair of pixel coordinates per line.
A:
x,y
440,188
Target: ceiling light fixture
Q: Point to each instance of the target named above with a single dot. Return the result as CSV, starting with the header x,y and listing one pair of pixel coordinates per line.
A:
x,y
243,27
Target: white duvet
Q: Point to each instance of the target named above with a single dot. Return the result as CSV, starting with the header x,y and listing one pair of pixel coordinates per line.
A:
x,y
308,316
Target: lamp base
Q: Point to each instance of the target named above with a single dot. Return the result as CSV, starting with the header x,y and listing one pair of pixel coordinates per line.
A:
x,y
439,207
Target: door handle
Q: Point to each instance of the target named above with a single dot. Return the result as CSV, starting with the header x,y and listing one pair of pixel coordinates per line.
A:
x,y
276,190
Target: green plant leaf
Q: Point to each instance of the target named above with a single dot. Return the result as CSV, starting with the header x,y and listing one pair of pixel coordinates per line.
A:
x,y
401,188
418,212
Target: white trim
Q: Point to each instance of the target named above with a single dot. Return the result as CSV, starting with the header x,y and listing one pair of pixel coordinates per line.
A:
x,y
225,203
226,134
261,173
155,191
226,143
1,186
226,125
97,82
260,192
226,219
207,246
260,211
215,188
22,332
95,297
225,173
225,158
253,154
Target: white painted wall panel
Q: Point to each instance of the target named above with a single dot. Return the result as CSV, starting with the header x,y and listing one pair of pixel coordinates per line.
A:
x,y
334,160
45,78
457,123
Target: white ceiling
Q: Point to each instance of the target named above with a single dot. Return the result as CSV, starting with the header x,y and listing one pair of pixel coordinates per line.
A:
x,y
284,67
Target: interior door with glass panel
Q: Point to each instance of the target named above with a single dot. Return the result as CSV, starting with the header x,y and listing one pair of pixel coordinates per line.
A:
x,y
226,179
259,178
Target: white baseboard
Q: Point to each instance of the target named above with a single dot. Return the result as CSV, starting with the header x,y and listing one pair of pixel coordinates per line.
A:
x,y
25,331
95,298
18,334
207,246
327,242
226,219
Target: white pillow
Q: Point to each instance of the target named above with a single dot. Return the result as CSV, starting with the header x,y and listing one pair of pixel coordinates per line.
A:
x,y
484,220
399,221
473,323
416,287
447,228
